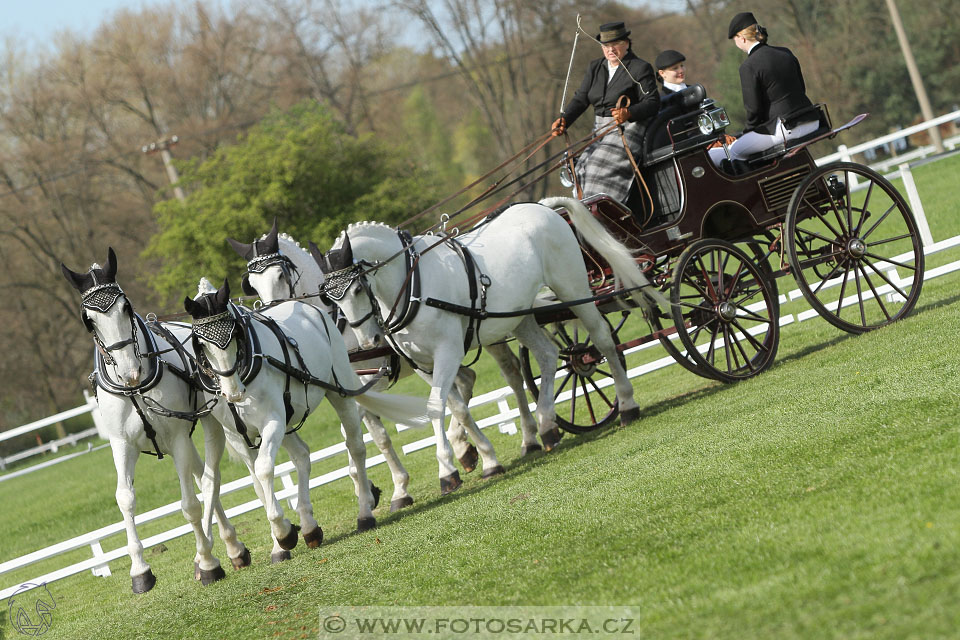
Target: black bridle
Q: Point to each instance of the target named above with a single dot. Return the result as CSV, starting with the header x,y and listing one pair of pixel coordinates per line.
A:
x,y
264,262
101,298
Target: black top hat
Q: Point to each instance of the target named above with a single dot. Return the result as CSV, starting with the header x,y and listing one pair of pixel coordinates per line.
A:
x,y
611,32
668,58
740,22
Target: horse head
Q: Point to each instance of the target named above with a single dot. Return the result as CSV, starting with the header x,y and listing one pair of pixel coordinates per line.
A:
x,y
216,332
361,278
109,317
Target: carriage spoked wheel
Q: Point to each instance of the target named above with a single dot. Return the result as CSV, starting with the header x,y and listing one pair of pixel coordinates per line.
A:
x,y
726,310
854,251
679,353
579,372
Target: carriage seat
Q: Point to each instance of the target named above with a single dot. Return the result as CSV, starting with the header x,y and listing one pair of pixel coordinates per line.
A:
x,y
768,155
677,116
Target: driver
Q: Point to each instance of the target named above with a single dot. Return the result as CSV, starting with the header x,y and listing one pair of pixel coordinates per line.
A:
x,y
605,167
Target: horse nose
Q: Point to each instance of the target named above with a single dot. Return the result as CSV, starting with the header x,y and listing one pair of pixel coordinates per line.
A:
x,y
235,395
132,377
377,340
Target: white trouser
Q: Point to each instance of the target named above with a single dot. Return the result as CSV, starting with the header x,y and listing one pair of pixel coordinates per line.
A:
x,y
753,142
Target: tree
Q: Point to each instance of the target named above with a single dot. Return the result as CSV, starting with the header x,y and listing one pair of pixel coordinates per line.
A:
x,y
300,166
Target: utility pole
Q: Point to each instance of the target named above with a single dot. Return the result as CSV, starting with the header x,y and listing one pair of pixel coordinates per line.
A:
x,y
915,78
163,148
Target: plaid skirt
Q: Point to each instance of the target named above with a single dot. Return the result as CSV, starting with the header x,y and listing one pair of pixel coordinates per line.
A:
x,y
604,167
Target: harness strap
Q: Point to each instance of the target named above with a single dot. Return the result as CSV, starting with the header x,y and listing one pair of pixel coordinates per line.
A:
x,y
483,313
473,324
240,426
148,429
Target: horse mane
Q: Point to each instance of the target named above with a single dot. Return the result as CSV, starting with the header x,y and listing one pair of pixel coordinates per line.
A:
x,y
361,226
204,287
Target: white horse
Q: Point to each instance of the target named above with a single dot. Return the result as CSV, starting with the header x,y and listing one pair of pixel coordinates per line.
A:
x,y
301,352
278,268
149,405
528,246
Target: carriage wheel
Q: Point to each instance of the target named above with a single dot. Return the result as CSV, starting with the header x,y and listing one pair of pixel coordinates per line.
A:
x,y
681,355
854,252
725,307
579,372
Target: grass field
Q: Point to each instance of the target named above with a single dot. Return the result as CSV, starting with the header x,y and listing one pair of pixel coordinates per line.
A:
x,y
817,500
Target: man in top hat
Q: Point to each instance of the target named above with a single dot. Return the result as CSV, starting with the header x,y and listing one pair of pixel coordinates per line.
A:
x,y
621,88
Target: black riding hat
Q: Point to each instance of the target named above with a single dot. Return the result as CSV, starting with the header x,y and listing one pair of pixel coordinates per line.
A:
x,y
668,58
611,32
740,22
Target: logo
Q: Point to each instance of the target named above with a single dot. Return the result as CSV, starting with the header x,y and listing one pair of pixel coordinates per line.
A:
x,y
29,610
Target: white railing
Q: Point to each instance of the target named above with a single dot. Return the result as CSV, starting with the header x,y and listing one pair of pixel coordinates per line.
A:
x,y
846,153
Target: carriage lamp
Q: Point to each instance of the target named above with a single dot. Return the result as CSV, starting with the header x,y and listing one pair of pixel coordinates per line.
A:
x,y
705,122
719,117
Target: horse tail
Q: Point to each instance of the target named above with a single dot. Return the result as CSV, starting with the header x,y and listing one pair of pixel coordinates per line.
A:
x,y
397,408
618,256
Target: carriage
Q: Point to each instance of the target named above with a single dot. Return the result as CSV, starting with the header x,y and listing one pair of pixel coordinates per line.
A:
x,y
716,240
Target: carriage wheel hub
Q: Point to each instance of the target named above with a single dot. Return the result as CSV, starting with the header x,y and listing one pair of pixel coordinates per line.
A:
x,y
583,359
856,248
727,311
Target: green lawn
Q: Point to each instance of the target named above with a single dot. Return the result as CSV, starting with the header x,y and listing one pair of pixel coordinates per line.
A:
x,y
817,500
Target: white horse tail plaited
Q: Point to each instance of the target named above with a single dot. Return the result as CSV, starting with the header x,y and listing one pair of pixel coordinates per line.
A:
x,y
614,252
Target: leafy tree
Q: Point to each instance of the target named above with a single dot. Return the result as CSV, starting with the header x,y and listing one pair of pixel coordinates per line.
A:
x,y
300,166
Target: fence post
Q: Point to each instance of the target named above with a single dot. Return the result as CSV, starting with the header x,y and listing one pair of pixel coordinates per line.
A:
x,y
287,483
914,197
847,157
508,427
102,570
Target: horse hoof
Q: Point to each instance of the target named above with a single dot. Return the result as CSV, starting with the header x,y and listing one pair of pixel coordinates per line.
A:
x,y
211,576
365,524
469,459
289,541
242,560
629,416
493,471
314,538
279,556
144,582
551,439
526,450
450,483
400,503
375,490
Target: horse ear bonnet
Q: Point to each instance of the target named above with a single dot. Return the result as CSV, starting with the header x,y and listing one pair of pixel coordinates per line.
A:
x,y
337,259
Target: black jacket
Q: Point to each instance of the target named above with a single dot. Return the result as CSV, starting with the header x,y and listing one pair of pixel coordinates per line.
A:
x,y
772,86
596,91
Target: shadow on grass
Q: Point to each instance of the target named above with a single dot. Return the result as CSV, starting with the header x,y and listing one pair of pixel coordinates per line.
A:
x,y
935,304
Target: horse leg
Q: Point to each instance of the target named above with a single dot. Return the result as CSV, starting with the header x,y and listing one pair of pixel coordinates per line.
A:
x,y
284,532
400,476
352,472
510,367
213,443
488,458
465,452
300,456
125,460
206,566
346,409
436,410
246,455
598,329
530,335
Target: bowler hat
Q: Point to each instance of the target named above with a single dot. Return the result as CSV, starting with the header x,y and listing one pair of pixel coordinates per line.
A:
x,y
611,32
668,58
740,22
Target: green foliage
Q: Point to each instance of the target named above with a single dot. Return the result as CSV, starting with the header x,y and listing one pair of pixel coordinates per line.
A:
x,y
299,166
